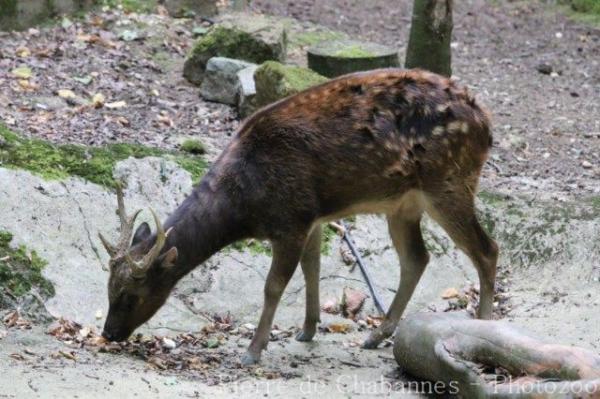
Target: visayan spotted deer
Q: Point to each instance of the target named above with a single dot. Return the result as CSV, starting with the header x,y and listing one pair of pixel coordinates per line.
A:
x,y
390,141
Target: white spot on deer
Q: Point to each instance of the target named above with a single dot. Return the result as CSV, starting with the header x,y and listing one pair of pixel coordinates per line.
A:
x,y
437,131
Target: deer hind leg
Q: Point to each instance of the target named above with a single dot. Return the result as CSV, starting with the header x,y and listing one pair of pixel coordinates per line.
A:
x,y
456,214
286,255
405,231
311,265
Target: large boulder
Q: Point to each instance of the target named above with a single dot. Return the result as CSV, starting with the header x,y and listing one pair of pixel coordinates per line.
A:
x,y
275,81
253,39
220,82
338,57
246,92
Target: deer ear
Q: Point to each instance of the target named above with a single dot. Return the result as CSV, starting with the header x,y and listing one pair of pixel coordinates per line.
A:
x,y
168,259
141,234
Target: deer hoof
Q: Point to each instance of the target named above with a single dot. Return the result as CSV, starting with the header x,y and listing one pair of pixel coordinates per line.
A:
x,y
370,343
305,336
250,359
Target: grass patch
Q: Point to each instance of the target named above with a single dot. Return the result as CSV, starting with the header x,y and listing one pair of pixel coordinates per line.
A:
x,y
21,270
139,6
193,147
94,164
264,247
584,11
353,52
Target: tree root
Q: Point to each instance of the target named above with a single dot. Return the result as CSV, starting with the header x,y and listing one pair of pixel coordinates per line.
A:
x,y
491,359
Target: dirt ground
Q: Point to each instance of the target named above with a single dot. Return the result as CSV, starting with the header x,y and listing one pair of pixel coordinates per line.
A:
x,y
547,146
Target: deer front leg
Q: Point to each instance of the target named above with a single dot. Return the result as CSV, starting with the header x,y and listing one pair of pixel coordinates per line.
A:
x,y
286,255
311,265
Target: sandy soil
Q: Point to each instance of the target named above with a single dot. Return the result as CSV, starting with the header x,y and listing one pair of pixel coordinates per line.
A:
x,y
547,145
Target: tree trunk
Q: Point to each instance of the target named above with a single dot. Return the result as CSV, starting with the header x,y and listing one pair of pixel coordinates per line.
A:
x,y
430,35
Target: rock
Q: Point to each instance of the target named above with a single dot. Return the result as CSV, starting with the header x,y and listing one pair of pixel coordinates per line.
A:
x,y
49,103
220,81
191,8
252,39
545,69
246,91
275,81
352,302
338,57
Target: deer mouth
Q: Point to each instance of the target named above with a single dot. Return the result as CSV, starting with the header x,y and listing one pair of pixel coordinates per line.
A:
x,y
115,335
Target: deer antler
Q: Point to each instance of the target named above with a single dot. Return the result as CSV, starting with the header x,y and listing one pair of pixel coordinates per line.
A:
x,y
139,269
127,224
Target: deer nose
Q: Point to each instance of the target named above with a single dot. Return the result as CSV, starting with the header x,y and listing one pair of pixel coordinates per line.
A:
x,y
111,336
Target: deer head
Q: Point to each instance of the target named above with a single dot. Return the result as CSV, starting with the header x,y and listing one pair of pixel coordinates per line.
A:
x,y
139,281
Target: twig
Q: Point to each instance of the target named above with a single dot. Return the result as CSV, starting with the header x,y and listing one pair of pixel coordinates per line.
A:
x,y
352,364
343,231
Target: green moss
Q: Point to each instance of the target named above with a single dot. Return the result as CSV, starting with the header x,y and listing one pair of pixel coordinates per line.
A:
x,y
94,164
275,81
353,52
329,234
21,270
8,8
139,6
233,43
584,6
584,11
264,247
253,246
303,38
193,146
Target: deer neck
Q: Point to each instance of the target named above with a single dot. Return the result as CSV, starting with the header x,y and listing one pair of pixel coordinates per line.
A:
x,y
202,225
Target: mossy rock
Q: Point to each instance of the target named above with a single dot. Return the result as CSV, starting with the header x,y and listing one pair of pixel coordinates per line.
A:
x,y
94,164
275,81
20,272
339,57
253,42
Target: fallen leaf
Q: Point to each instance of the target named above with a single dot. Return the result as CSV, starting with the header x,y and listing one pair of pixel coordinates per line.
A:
x,y
123,121
168,343
352,302
199,31
97,340
23,52
339,328
157,362
68,355
17,356
84,332
27,85
98,100
212,343
129,35
116,104
66,23
86,80
23,72
330,306
165,120
66,93
14,319
450,293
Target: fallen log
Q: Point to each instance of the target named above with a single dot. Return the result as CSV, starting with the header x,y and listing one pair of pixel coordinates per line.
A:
x,y
492,359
